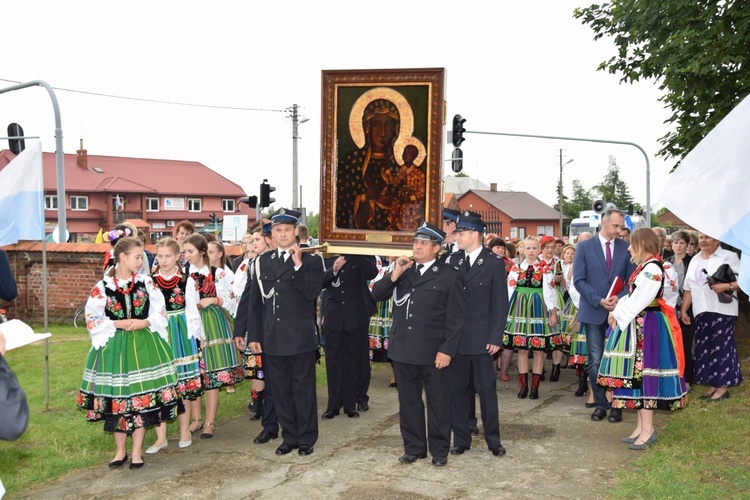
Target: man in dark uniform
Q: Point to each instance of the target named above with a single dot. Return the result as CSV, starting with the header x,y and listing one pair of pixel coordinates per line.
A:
x,y
428,318
450,217
346,319
485,284
280,304
262,407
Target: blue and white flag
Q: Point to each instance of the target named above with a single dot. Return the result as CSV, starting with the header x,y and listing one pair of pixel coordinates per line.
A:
x,y
710,190
22,198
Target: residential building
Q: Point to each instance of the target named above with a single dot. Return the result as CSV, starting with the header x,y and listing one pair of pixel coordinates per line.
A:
x,y
512,214
102,191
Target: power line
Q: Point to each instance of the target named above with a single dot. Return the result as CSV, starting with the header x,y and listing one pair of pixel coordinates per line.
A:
x,y
157,101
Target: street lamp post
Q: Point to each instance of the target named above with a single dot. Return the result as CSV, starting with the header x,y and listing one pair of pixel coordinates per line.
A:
x,y
584,139
560,193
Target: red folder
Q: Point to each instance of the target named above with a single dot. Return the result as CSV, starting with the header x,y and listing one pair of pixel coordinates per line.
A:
x,y
618,285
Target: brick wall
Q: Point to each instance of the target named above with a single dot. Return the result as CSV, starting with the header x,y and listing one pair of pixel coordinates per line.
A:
x,y
72,271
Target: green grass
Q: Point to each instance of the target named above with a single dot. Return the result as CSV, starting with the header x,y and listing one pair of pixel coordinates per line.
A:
x,y
702,453
60,440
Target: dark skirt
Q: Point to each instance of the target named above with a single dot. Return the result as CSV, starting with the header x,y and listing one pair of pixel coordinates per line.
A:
x,y
716,360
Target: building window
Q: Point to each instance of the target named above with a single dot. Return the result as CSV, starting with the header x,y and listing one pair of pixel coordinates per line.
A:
x,y
227,205
546,230
194,204
152,204
79,202
50,202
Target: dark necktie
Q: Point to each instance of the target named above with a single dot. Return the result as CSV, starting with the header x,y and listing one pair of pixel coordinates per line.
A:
x,y
608,256
282,258
467,262
419,272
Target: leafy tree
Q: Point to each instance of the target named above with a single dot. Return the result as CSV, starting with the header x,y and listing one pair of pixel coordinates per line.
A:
x,y
696,50
581,200
613,189
313,224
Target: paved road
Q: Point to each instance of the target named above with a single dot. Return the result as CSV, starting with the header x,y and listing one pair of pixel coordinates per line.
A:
x,y
554,451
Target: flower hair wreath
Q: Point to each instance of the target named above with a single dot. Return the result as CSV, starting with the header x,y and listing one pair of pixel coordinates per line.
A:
x,y
116,234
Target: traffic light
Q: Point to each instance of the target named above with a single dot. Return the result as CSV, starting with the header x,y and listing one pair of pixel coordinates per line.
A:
x,y
16,145
212,217
458,130
250,201
265,194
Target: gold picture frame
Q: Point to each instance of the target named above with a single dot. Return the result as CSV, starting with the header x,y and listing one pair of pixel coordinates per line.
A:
x,y
381,157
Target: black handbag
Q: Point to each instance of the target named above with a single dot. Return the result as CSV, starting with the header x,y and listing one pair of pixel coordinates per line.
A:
x,y
723,274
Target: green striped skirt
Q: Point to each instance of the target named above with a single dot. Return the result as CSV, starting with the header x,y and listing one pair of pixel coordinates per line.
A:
x,y
186,356
130,382
528,322
222,365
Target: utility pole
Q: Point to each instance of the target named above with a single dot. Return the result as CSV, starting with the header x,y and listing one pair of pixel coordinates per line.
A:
x,y
560,192
295,136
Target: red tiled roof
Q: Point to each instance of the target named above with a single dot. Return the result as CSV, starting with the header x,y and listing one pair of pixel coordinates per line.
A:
x,y
136,175
518,205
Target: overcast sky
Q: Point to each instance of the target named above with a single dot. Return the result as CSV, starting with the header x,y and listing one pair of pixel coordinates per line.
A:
x,y
520,67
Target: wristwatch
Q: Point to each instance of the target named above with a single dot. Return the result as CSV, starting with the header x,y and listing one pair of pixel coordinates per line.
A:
x,y
731,288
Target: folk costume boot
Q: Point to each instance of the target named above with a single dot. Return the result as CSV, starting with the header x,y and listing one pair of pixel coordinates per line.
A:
x,y
535,380
523,385
555,376
256,413
583,383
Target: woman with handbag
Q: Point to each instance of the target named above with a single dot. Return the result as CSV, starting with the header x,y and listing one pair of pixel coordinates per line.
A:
x,y
716,361
680,262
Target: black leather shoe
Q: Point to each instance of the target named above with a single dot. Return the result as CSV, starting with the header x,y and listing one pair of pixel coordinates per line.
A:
x,y
410,459
118,463
134,465
352,413
330,414
363,406
598,414
474,430
285,448
439,461
264,437
555,376
459,450
305,449
615,415
499,451
590,405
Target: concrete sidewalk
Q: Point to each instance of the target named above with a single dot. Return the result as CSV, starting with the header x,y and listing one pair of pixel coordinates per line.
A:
x,y
554,451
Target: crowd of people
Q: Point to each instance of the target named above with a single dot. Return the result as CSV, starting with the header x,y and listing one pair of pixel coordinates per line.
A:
x,y
640,316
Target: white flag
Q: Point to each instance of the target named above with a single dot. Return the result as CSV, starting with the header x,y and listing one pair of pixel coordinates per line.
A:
x,y
22,198
709,190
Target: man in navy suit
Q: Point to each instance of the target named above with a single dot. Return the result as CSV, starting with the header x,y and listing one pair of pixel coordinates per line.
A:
x,y
428,318
346,319
473,370
598,261
281,298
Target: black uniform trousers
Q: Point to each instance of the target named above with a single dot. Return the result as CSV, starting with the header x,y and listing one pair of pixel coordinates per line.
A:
x,y
344,366
292,381
479,368
412,380
365,370
270,420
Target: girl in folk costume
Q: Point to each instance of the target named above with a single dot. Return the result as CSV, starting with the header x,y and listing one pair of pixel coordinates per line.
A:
x,y
532,317
185,331
548,257
382,321
123,230
217,258
129,380
240,277
643,357
219,355
571,329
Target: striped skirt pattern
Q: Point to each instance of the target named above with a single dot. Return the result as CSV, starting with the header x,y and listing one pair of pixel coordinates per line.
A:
x,y
640,364
222,366
130,382
528,322
186,356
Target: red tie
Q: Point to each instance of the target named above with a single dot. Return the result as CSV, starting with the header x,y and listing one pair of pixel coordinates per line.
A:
x,y
608,256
